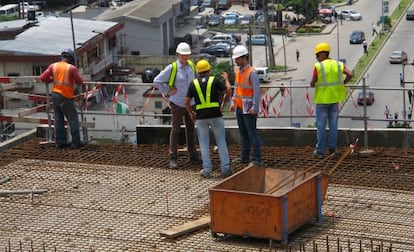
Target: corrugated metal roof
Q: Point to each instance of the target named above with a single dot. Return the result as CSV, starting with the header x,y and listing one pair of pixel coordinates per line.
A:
x,y
51,34
140,9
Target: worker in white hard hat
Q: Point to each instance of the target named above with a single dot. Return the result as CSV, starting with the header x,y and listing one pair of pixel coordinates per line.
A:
x,y
246,104
329,77
206,90
173,82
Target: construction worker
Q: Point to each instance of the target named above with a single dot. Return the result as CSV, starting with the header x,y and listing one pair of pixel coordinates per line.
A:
x,y
206,91
173,82
245,103
328,80
64,76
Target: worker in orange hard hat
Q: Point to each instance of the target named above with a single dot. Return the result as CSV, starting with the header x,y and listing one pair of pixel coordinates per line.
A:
x,y
64,76
329,77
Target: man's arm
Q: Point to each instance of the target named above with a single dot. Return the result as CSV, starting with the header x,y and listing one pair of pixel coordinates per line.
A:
x,y
76,76
314,78
348,74
162,78
254,79
47,75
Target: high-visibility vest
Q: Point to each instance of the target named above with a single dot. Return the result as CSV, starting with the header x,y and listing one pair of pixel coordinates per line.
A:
x,y
174,70
329,87
205,102
243,86
61,79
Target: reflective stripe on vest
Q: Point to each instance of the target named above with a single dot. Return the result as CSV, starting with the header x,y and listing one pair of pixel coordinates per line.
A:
x,y
205,102
61,75
243,86
330,84
174,71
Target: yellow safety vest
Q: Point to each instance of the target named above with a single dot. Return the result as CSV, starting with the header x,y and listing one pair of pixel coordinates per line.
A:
x,y
174,70
205,102
329,87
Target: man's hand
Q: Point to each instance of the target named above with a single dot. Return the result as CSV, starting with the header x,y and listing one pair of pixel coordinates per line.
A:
x,y
172,91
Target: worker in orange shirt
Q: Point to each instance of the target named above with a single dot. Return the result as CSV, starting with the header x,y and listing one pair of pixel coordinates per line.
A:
x,y
64,75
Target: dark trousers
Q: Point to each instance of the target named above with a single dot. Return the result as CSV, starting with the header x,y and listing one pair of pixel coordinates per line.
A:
x,y
177,115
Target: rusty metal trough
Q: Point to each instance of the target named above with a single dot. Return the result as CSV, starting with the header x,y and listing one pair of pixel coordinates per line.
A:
x,y
266,203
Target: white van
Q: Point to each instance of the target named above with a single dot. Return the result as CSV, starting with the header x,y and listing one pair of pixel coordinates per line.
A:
x,y
263,73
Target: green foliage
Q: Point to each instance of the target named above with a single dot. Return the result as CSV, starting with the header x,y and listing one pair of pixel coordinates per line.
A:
x,y
224,66
309,30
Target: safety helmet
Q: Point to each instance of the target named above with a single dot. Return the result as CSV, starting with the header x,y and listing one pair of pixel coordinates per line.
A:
x,y
68,53
239,51
183,48
203,66
322,47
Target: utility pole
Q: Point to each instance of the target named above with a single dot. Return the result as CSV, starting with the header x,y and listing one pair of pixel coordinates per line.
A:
x,y
268,34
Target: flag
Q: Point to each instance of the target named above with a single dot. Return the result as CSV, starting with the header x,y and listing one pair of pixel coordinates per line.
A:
x,y
122,108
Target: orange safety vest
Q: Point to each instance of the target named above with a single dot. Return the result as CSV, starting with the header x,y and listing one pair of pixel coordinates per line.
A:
x,y
243,86
61,78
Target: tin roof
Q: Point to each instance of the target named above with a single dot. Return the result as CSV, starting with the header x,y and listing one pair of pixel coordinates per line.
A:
x,y
51,34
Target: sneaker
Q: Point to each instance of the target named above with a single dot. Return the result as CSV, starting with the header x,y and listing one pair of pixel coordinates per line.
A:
x,y
318,155
240,160
173,163
255,163
226,174
206,175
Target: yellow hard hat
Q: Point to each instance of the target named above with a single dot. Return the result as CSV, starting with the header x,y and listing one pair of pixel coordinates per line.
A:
x,y
203,66
322,47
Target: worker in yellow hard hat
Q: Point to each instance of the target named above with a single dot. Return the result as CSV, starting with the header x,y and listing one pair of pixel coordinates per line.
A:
x,y
329,77
206,91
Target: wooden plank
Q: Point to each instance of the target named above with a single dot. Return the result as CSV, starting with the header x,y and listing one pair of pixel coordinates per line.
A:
x,y
186,228
31,111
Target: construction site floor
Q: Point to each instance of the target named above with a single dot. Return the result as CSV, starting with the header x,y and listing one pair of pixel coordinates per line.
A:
x,y
119,198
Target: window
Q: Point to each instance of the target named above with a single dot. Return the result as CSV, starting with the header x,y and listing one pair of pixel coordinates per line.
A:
x,y
158,104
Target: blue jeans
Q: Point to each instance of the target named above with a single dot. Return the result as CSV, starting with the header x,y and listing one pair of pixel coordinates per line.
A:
x,y
65,107
249,135
326,112
203,133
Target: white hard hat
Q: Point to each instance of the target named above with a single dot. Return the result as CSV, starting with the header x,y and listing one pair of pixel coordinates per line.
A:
x,y
239,51
183,48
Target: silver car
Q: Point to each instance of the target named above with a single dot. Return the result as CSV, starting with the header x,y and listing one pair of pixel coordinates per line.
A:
x,y
351,14
398,57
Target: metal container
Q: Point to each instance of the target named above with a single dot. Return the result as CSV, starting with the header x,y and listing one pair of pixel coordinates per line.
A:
x,y
266,203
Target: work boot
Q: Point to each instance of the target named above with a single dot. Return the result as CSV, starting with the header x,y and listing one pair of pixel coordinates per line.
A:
x,y
77,146
318,155
334,153
226,173
173,162
194,160
240,160
204,174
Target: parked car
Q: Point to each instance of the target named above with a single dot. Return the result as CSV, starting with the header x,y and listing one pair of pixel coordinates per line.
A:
x,y
351,14
409,15
369,98
398,57
231,20
258,39
149,74
263,73
214,20
207,3
245,20
223,4
219,38
218,50
357,37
